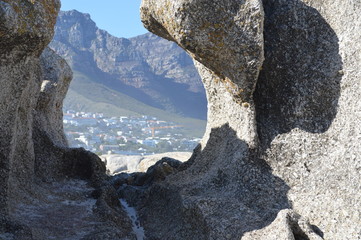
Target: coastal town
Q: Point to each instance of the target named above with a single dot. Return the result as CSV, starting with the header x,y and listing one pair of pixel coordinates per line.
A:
x,y
125,135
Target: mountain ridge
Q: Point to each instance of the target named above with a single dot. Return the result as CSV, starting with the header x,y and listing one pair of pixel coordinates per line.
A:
x,y
147,68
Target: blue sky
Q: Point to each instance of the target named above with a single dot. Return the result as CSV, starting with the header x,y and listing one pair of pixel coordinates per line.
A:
x,y
119,17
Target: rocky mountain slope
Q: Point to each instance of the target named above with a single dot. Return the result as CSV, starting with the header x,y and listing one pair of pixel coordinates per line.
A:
x,y
147,69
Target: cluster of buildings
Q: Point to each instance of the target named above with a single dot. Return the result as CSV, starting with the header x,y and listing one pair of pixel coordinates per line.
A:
x,y
125,135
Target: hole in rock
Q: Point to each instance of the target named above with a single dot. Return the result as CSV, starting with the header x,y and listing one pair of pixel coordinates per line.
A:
x,y
132,100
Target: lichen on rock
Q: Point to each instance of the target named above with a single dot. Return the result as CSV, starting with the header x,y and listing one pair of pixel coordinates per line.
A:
x,y
23,20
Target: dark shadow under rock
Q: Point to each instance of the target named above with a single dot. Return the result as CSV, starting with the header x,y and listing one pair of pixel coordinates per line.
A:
x,y
226,192
55,162
299,85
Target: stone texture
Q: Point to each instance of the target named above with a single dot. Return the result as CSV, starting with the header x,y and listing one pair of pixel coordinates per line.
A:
x,y
116,163
25,29
287,225
57,76
68,206
48,124
228,39
308,113
227,45
41,193
53,158
149,161
290,147
279,161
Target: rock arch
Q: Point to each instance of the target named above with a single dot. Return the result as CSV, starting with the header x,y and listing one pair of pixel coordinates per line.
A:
x,y
278,135
287,147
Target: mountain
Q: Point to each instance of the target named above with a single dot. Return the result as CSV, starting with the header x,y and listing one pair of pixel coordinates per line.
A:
x,y
141,75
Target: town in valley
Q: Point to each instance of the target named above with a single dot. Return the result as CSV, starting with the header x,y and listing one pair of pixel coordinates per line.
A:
x,y
125,135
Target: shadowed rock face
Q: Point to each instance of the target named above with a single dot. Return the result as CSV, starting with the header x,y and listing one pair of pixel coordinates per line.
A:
x,y
291,172
308,112
57,76
25,29
253,173
225,190
37,169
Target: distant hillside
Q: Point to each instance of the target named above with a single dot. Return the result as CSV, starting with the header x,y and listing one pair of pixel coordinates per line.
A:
x,y
91,96
126,76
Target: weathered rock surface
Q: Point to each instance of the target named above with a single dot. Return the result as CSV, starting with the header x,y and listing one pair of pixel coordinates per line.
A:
x,y
281,161
150,160
53,158
281,155
116,163
69,206
228,39
25,29
57,75
308,112
227,45
46,189
48,126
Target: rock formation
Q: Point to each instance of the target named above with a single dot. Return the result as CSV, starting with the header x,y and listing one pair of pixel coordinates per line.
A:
x,y
308,115
280,160
281,155
26,27
45,187
116,164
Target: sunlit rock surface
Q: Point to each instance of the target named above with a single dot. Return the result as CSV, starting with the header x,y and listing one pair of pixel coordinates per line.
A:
x,y
281,155
281,161
116,163
225,38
